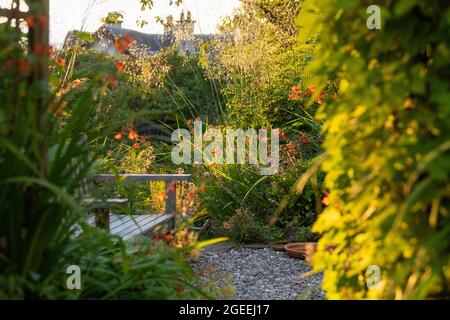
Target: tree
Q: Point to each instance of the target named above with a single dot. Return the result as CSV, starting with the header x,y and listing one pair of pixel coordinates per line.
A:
x,y
258,61
113,17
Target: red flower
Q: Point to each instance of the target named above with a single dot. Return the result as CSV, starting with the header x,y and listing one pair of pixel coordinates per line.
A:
x,y
30,21
295,90
110,81
40,49
326,199
168,237
281,135
136,145
133,135
120,66
61,108
310,90
118,136
160,196
304,138
320,97
43,21
123,43
60,61
76,83
290,146
295,94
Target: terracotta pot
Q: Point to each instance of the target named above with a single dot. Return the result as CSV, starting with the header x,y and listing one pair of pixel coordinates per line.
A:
x,y
301,250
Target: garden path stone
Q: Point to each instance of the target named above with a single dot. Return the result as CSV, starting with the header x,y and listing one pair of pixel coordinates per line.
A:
x,y
259,274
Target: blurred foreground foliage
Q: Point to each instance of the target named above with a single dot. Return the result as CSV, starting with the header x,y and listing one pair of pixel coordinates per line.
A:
x,y
388,146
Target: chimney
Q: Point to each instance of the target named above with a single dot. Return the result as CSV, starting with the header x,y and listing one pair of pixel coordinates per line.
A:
x,y
117,25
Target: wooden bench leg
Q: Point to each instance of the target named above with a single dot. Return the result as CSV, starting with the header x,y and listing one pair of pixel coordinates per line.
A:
x,y
172,222
171,201
102,218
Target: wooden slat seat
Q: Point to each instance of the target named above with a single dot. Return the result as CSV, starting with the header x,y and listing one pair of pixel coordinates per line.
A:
x,y
107,203
128,227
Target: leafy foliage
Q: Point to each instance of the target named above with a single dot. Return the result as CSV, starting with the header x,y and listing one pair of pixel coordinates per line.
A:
x,y
51,134
388,146
113,17
165,87
257,60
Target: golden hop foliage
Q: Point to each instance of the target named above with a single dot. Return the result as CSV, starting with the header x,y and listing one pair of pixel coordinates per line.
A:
x,y
388,146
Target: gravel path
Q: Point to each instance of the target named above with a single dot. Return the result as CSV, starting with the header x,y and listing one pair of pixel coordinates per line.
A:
x,y
257,274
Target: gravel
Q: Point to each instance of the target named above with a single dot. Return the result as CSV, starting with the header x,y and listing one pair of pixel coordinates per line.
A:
x,y
257,274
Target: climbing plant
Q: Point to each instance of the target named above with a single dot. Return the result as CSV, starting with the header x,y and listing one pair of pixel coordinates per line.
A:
x,y
388,147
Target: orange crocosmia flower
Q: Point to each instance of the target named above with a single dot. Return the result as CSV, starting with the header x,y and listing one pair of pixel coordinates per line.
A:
x,y
168,237
295,90
60,61
76,83
43,21
120,66
133,135
295,94
30,20
326,199
310,90
123,43
40,49
304,138
136,145
110,81
320,97
290,146
118,136
161,196
61,108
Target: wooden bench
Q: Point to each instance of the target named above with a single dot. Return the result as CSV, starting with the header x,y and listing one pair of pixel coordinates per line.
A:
x,y
130,226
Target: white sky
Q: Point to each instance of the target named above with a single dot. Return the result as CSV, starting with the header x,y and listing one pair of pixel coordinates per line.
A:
x,y
66,15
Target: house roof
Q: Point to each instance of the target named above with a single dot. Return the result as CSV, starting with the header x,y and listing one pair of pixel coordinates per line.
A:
x,y
152,42
144,43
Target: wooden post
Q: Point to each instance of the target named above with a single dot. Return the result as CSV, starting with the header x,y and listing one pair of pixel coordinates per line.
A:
x,y
171,200
102,218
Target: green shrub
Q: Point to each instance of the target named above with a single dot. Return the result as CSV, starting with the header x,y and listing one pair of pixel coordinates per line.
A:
x,y
388,146
228,189
47,148
257,62
113,269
